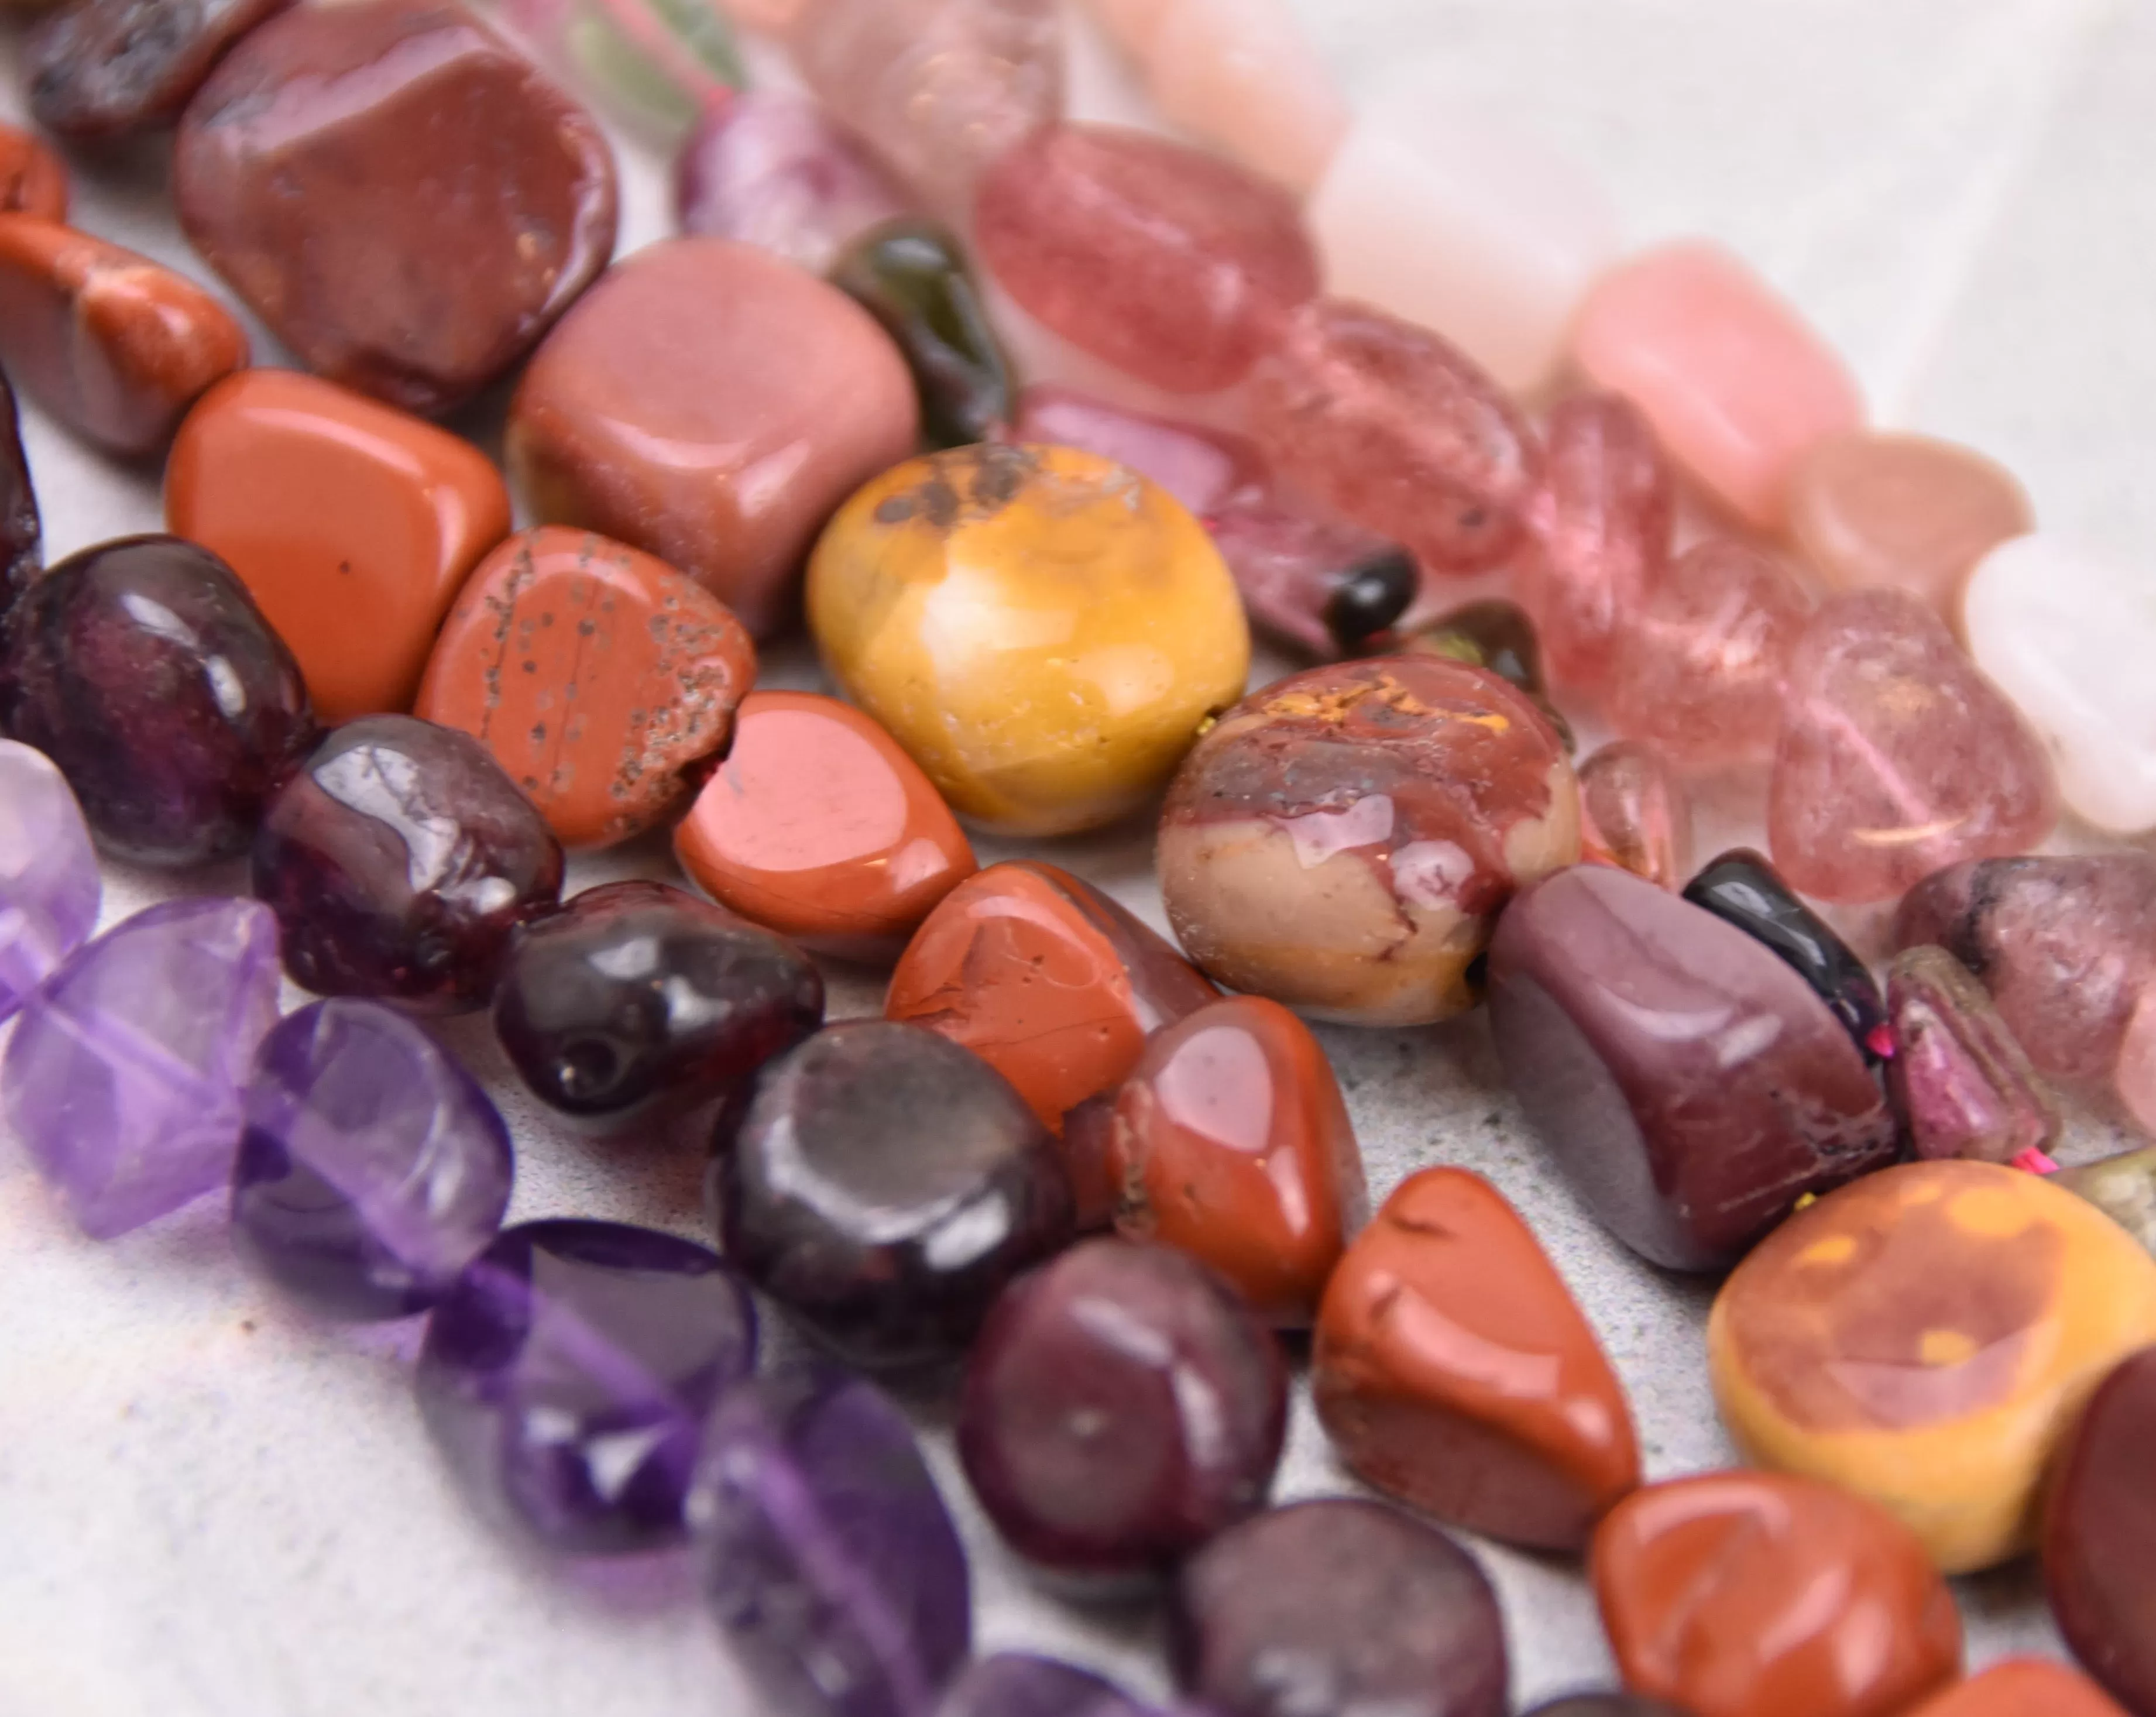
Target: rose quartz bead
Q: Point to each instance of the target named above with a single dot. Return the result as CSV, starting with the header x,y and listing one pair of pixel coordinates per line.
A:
x,y
1241,75
1736,384
1699,670
1201,467
1134,23
1633,814
1897,757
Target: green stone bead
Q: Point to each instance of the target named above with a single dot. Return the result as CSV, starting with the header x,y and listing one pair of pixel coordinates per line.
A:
x,y
911,275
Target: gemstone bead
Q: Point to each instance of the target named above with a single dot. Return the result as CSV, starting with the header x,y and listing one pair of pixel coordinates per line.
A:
x,y
372,1169
124,1074
49,886
1202,468
1604,1705
1643,1034
1497,635
1330,588
33,181
21,548
2099,1538
352,524
1018,1685
1750,1594
1964,1087
1633,814
1453,1371
883,1184
1923,1338
400,859
140,667
2123,1187
398,193
911,276
111,67
656,65
635,995
1044,631
567,1375
1121,1406
2018,1686
1343,840
1897,756
1334,1607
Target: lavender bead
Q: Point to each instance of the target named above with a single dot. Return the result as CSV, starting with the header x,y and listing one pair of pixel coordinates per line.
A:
x,y
1018,1685
124,1076
48,881
372,1169
568,1374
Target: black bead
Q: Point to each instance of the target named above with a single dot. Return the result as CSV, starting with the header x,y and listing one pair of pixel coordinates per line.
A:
x,y
1370,596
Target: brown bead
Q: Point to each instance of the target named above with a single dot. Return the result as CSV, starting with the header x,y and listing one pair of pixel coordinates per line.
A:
x,y
107,68
353,525
819,827
1454,1370
114,345
2021,1686
31,179
1758,1595
712,405
403,197
602,681
1231,1142
2099,1535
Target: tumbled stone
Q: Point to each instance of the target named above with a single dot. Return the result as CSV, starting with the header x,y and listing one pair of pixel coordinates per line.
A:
x,y
2018,1687
32,180
1331,587
1963,1085
1498,635
2099,1539
657,66
109,67
22,532
50,884
911,276
1203,467
1633,814
1019,1684
2123,1187
1603,1705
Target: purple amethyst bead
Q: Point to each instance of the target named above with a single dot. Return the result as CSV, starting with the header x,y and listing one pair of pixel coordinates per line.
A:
x,y
372,1169
124,1076
49,886
830,1559
1018,1685
568,1373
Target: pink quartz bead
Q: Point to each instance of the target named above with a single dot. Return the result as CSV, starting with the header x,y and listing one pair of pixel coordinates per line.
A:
x,y
1633,814
1163,261
1201,467
1241,75
1962,1085
1698,669
1133,24
1737,386
1897,757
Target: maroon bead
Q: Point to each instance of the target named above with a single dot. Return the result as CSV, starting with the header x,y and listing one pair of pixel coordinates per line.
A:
x,y
2100,1536
21,537
106,68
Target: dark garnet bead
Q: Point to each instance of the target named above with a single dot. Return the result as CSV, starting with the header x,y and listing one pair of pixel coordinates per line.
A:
x,y
21,539
1370,597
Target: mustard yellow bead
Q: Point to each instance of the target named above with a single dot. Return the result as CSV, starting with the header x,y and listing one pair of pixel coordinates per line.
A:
x,y
1044,630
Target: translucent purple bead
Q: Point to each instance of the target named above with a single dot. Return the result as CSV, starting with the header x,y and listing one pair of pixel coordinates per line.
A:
x,y
1018,1685
49,886
124,1076
568,1374
372,1168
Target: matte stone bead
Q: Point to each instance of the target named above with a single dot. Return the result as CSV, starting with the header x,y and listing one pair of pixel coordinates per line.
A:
x,y
50,885
22,556
1642,1035
1754,1595
123,1078
2018,1687
1019,1684
1453,1371
1202,468
636,995
1498,635
1335,1607
401,196
400,859
372,1170
2123,1187
829,1559
1964,1087
911,276
1121,1405
109,67
2100,1538
568,1374
883,1184
1633,814
1330,588
1923,1338
141,668
33,181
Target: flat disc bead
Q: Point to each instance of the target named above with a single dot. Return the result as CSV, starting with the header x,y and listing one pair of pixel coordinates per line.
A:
x,y
50,884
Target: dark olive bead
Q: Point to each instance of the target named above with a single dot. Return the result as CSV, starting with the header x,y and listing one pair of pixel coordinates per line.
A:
x,y
20,537
1370,596
911,275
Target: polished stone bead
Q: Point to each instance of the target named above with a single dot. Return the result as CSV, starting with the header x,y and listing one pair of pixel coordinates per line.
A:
x,y
2020,1686
1231,1142
1643,1034
568,1374
110,68
1203,467
123,1078
372,1170
1338,1608
1018,1685
1121,1406
1923,1338
400,859
1897,756
1044,631
1964,1087
2123,1187
829,1560
1633,814
636,996
883,1185
1756,1595
1343,840
1331,587
50,885
1604,1705
33,181
1498,635
911,276
398,193
2099,1538
352,524
658,66
140,667
21,534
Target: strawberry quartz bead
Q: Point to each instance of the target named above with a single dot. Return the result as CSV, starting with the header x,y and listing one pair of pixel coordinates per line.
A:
x,y
1634,814
1964,1087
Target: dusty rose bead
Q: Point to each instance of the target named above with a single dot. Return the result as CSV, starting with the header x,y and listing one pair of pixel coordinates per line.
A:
x,y
1963,1086
1202,468
1633,814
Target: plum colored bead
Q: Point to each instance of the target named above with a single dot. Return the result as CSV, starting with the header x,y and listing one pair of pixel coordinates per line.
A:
x,y
1121,1406
22,557
2123,1187
50,885
1963,1085
1633,814
1897,758
1202,468
911,276
1329,586
400,859
33,181
143,670
1174,266
372,1170
1497,635
567,1375
2100,1537
1242,76
2018,1687
829,1560
1018,1685
123,1075
883,1184
1737,385
1336,1608
636,995
110,68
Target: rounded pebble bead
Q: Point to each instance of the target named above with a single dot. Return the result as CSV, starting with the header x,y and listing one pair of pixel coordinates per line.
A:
x,y
1635,813
50,884
911,276
1019,1684
2018,1687
1202,467
33,181
1498,635
1326,588
22,533
1964,1087
111,67
2099,1539
1603,1705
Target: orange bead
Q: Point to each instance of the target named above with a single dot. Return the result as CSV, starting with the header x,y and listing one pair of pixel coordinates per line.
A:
x,y
2022,1687
32,180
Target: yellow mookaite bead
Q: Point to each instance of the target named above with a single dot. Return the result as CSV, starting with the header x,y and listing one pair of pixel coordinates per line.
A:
x,y
1043,629
1923,1337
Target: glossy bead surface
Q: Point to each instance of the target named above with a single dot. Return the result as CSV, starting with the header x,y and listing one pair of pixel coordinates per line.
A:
x,y
567,1375
110,68
2099,1539
2019,1686
1019,1684
1964,1087
1343,840
141,668
399,860
33,181
1202,467
372,1169
1603,1705
1243,76
1633,814
2123,1187
1498,635
1923,1338
22,534
1329,586
911,276
50,885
